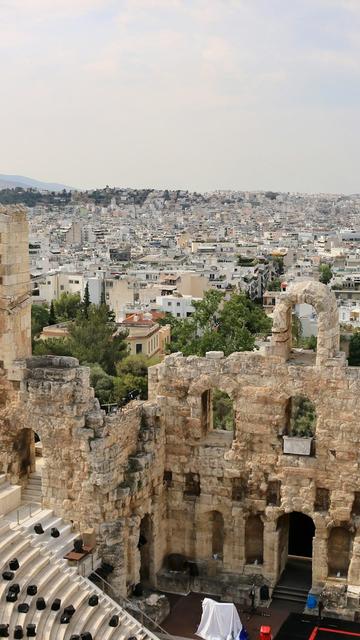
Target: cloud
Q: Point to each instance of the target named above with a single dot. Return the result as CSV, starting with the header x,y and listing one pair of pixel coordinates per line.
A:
x,y
176,88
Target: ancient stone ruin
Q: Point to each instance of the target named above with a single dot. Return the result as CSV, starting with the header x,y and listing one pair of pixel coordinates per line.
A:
x,y
174,502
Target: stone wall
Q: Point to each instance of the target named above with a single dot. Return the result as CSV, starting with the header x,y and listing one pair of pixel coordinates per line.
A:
x,y
101,472
260,385
15,321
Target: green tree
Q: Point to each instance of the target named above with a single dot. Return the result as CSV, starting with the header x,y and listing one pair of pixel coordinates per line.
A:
x,y
53,347
92,340
354,350
274,285
95,339
52,314
86,301
303,417
219,325
278,262
125,384
296,330
223,411
39,319
325,273
309,343
67,306
103,384
102,295
133,374
136,365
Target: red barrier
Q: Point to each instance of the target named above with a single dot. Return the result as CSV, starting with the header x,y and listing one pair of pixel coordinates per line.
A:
x,y
265,633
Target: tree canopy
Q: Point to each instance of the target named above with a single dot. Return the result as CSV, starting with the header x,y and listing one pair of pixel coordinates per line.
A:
x,y
354,350
67,306
219,324
92,339
325,273
39,319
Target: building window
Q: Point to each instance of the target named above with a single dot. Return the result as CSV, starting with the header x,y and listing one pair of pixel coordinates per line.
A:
x,y
167,479
169,304
178,315
238,489
178,304
139,347
322,500
273,493
192,484
355,511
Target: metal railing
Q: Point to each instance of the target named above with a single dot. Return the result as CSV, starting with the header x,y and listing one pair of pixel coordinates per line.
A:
x,y
30,509
129,605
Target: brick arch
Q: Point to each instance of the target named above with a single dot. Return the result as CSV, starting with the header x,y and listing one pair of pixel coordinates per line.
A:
x,y
323,300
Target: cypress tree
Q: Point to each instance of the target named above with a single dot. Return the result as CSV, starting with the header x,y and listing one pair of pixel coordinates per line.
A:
x,y
52,314
86,301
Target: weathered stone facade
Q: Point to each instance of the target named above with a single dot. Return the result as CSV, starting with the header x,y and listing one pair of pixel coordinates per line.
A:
x,y
159,471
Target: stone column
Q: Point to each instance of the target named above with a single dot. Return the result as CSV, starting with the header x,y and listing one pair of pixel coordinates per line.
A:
x,y
271,551
354,568
234,550
319,558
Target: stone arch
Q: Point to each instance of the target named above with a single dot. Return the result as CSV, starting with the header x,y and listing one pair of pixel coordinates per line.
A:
x,y
323,300
339,551
210,532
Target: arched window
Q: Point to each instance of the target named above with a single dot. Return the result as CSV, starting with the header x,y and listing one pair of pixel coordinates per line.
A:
x,y
306,297
254,540
300,417
339,545
222,411
217,411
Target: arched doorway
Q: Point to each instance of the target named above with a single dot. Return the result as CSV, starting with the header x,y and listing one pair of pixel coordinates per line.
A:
x,y
339,546
24,450
27,464
301,533
254,540
295,533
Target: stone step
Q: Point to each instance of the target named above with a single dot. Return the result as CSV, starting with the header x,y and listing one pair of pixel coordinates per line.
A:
x,y
35,481
293,594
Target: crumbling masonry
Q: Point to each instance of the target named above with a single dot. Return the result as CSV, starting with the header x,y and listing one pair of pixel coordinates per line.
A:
x,y
220,499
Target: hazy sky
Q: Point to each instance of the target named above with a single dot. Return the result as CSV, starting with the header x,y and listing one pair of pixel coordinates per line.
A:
x,y
198,94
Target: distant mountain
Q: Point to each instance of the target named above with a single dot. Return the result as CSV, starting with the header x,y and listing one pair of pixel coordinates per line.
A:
x,y
11,182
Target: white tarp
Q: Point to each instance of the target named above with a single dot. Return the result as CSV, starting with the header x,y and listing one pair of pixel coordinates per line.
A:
x,y
219,621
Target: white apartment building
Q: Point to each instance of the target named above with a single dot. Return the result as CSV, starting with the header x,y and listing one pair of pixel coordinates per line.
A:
x,y
52,285
178,306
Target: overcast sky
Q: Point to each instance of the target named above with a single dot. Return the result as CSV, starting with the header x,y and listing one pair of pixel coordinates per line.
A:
x,y
197,94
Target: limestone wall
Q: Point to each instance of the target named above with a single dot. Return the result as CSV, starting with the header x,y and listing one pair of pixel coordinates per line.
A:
x,y
260,387
15,315
101,472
